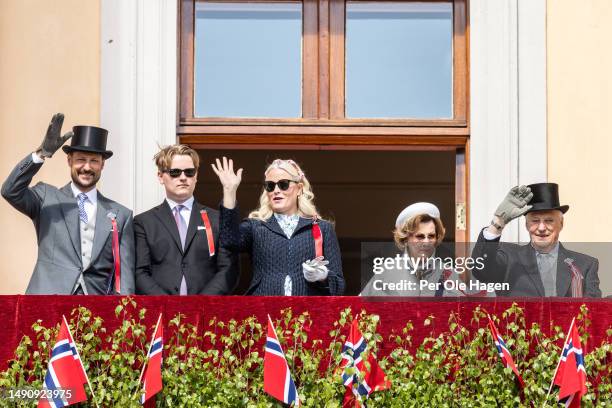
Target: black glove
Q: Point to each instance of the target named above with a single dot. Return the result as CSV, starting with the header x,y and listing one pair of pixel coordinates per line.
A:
x,y
53,140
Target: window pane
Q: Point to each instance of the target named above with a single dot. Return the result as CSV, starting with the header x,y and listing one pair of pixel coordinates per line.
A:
x,y
399,60
248,60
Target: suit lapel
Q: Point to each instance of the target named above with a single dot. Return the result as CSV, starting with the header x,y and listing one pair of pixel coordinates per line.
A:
x,y
528,260
103,225
195,220
70,211
303,222
563,273
164,214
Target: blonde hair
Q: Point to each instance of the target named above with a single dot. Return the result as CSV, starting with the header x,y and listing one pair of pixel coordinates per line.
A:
x,y
163,158
305,201
411,225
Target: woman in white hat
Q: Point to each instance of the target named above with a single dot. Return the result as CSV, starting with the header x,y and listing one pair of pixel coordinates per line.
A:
x,y
423,269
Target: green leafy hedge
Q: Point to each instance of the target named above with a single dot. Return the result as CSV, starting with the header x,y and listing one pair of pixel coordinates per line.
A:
x,y
222,365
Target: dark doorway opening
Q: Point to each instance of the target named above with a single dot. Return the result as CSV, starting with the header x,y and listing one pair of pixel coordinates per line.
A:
x,y
361,191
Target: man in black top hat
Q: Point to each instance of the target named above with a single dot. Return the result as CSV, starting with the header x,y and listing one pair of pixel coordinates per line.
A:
x,y
85,240
544,267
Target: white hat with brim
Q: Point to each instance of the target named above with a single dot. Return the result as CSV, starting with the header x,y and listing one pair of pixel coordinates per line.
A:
x,y
416,209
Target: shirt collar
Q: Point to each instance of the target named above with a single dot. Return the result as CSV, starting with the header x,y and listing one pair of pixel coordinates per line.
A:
x,y
283,217
553,252
288,223
187,203
92,194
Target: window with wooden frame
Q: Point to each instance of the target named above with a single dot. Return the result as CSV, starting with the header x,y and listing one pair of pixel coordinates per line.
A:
x,y
328,75
334,70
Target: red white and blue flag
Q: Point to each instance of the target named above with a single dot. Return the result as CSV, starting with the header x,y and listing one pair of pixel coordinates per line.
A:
x,y
504,353
65,380
571,375
151,376
277,377
359,379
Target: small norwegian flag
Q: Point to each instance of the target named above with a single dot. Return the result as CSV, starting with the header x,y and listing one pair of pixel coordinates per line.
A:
x,y
66,378
277,377
504,353
151,374
374,378
571,375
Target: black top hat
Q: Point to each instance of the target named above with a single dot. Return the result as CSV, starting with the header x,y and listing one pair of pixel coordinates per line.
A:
x,y
546,197
89,139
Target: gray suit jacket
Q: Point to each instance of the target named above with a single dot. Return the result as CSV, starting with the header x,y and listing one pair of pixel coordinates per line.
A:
x,y
517,265
55,215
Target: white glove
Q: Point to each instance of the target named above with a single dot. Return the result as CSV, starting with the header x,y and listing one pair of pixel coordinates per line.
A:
x,y
315,270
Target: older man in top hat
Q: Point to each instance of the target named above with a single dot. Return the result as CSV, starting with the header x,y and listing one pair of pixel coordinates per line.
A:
x,y
85,240
544,267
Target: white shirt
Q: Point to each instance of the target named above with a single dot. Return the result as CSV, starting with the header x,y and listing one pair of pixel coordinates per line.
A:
x,y
288,223
91,204
489,236
37,159
185,211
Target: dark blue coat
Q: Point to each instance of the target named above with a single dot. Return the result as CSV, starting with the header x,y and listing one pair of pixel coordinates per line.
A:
x,y
275,256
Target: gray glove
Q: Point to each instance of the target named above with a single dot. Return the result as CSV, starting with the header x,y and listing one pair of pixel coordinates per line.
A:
x,y
315,269
53,140
514,204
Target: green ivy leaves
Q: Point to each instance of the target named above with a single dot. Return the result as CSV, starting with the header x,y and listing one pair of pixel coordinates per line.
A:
x,y
221,364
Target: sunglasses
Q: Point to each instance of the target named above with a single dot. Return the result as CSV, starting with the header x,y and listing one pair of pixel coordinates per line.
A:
x,y
283,185
174,173
421,237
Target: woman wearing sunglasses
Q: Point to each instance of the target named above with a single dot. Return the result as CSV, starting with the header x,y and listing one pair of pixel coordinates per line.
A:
x,y
293,251
424,267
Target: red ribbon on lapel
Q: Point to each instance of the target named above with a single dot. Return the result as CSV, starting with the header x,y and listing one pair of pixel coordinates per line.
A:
x,y
318,238
209,232
577,277
116,256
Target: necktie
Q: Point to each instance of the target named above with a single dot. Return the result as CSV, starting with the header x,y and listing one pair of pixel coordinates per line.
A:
x,y
82,197
180,223
182,229
548,272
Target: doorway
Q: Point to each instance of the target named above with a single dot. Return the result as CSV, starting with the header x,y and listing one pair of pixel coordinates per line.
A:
x,y
361,191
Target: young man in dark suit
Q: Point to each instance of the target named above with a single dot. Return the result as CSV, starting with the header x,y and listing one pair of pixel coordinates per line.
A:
x,y
177,248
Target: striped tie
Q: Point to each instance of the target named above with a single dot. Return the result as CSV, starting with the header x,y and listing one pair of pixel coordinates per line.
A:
x,y
82,214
